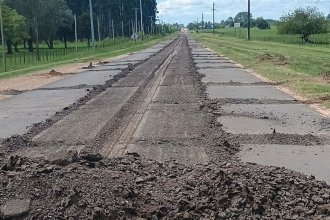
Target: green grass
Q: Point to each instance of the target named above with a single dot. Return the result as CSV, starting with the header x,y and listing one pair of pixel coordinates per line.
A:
x,y
272,35
301,68
16,69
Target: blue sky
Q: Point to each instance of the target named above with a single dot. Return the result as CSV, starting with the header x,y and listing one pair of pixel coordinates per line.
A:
x,y
185,11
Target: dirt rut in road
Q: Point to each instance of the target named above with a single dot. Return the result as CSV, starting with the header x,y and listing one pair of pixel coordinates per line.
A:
x,y
164,156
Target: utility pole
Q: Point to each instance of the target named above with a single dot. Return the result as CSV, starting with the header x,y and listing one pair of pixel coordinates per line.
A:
x,y
249,20
151,25
122,20
202,22
3,39
113,30
92,23
37,36
75,32
197,25
213,18
141,25
98,29
136,20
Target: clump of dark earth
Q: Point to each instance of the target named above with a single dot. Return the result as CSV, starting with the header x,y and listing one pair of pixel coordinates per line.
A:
x,y
132,187
276,59
55,73
11,92
90,66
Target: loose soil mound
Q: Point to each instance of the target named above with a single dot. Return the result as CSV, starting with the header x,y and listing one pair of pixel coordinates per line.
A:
x,y
92,187
276,59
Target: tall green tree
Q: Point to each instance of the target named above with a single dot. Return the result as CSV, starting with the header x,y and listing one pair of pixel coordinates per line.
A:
x,y
303,21
242,18
46,16
14,27
261,23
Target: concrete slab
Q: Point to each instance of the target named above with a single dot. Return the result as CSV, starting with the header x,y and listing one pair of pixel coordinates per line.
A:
x,y
215,65
19,113
309,160
176,93
109,67
84,124
124,61
284,118
151,50
200,50
131,80
227,75
85,78
205,56
246,92
117,63
179,125
211,60
140,56
203,53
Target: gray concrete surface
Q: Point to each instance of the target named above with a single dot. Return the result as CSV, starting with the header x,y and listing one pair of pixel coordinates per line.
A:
x,y
182,123
78,126
284,118
89,78
19,113
261,119
214,65
310,160
246,92
227,75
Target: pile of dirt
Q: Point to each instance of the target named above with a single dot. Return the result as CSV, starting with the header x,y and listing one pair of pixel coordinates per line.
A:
x,y
55,73
326,76
11,92
93,187
276,59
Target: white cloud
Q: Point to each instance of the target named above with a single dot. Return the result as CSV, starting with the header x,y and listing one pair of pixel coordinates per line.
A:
x,y
185,11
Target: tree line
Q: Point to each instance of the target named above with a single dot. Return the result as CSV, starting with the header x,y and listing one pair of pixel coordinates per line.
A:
x,y
302,21
29,21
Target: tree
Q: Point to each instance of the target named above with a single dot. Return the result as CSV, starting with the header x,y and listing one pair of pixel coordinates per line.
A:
x,y
328,17
303,21
14,28
242,18
54,14
46,15
262,23
229,22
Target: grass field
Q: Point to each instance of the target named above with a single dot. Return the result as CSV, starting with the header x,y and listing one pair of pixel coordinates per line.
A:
x,y
303,69
272,35
49,58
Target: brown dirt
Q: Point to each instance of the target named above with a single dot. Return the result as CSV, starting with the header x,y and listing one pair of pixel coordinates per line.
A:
x,y
276,59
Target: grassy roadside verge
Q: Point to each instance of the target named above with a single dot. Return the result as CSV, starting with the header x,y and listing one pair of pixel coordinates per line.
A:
x,y
303,69
87,56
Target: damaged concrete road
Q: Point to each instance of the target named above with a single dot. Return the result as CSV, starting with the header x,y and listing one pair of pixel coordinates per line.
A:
x,y
149,144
